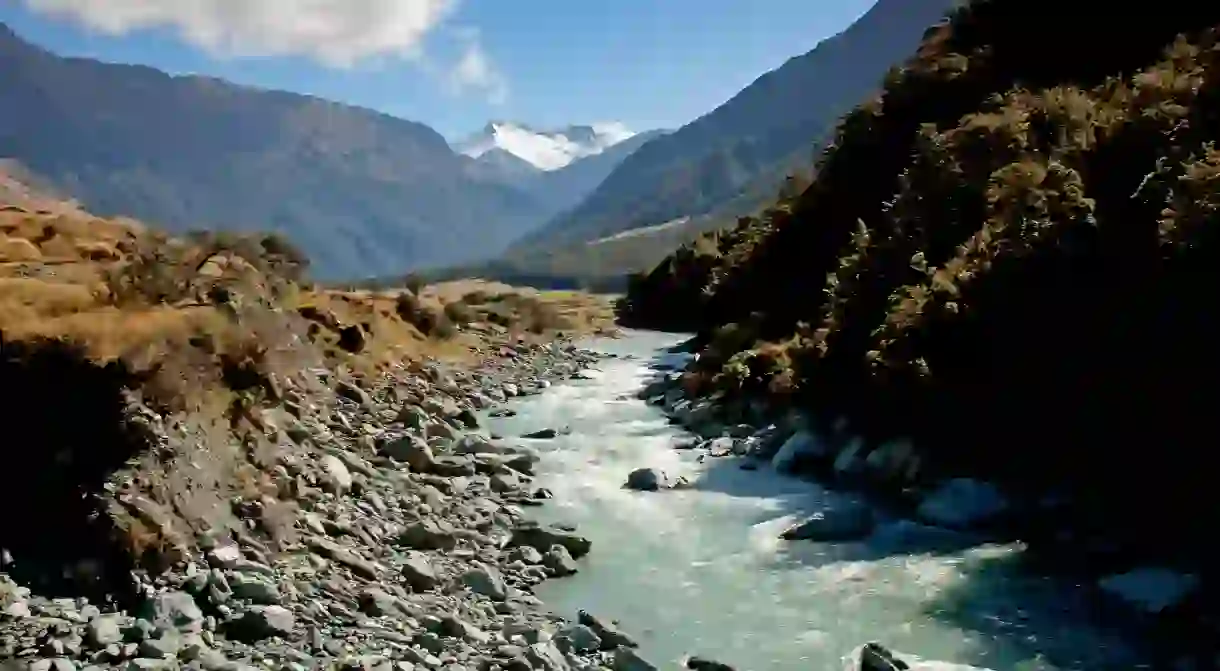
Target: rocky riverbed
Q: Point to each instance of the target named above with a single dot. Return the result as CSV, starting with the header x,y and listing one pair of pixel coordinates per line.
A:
x,y
393,532
871,491
393,536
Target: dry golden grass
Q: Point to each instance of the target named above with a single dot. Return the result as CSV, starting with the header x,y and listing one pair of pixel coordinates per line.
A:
x,y
391,339
56,266
61,278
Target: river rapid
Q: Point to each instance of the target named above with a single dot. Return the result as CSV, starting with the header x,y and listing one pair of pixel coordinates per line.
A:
x,y
702,571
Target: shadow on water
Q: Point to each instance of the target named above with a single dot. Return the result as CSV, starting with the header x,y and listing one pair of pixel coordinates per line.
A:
x,y
1024,613
1014,608
799,498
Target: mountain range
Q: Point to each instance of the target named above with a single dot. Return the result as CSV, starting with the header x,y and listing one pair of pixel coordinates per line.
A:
x,y
732,159
361,192
368,194
557,168
545,150
729,163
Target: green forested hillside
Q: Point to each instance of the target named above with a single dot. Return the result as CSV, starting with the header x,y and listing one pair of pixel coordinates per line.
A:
x,y
1010,255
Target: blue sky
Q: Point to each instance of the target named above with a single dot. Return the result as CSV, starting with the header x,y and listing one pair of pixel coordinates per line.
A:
x,y
455,64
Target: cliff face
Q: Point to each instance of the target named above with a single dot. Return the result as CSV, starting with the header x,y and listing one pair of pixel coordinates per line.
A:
x,y
1006,255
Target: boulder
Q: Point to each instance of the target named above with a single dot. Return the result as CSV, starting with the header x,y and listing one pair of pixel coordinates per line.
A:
x,y
417,570
609,634
411,450
701,664
262,622
646,480
846,520
800,445
543,538
962,503
487,581
1150,590
875,657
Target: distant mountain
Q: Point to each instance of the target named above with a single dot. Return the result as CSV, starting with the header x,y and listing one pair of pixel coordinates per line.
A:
x,y
558,190
363,193
544,149
554,191
769,128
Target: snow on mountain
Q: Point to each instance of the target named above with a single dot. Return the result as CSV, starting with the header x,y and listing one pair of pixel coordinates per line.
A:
x,y
545,149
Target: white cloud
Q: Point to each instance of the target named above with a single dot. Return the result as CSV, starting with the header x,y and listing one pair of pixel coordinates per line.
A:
x,y
337,33
475,71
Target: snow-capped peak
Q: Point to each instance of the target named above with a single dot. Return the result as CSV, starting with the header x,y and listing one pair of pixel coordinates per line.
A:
x,y
545,149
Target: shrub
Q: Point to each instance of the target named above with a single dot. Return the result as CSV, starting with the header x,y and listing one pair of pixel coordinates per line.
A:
x,y
475,298
428,321
414,283
460,313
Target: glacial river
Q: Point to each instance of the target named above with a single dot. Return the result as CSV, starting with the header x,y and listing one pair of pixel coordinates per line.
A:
x,y
702,571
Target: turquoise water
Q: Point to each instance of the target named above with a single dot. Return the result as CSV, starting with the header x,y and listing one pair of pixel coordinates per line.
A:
x,y
703,572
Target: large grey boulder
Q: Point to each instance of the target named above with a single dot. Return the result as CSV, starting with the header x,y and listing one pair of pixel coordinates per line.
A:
x,y
962,503
840,520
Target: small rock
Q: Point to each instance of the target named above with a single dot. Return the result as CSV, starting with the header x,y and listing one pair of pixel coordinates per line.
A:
x,y
505,482
165,647
578,638
263,622
468,419
475,444
377,603
487,581
525,555
544,656
559,561
428,535
105,630
411,450
255,589
875,657
224,556
608,632
701,664
360,567
646,480
176,610
627,659
351,392
418,571
543,538
336,476
413,417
